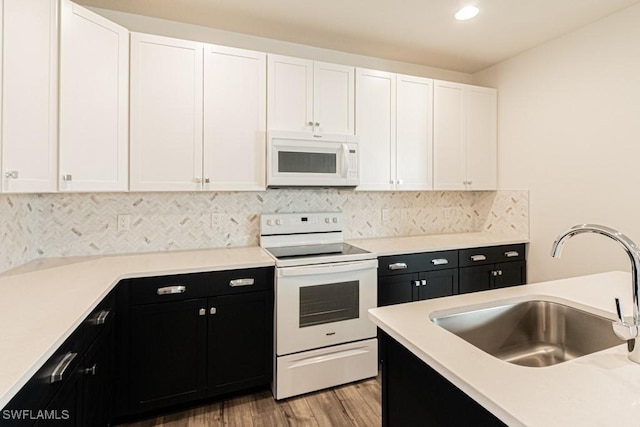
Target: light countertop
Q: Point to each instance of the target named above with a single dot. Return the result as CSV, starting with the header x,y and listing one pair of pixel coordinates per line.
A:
x,y
433,242
44,301
599,389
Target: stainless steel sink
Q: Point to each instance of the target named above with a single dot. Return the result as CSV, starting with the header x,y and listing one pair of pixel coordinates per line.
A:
x,y
532,333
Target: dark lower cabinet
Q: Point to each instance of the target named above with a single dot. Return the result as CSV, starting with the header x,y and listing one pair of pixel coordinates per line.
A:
x,y
413,394
168,353
189,337
492,267
238,343
74,387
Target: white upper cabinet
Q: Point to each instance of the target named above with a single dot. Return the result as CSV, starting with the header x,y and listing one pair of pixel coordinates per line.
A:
x,y
465,137
308,96
198,116
234,119
30,95
376,128
166,114
394,124
414,133
94,77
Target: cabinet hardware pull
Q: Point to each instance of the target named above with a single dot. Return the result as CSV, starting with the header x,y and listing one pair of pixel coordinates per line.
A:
x,y
309,123
67,177
494,273
416,283
398,266
499,272
478,258
175,289
511,254
241,282
58,372
213,310
91,370
424,282
11,175
202,312
317,124
100,319
440,261
197,180
207,180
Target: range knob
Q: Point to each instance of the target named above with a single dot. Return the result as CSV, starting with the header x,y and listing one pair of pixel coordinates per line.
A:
x,y
269,222
278,222
335,220
327,220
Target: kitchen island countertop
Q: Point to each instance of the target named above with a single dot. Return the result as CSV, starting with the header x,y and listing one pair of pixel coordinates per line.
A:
x,y
599,389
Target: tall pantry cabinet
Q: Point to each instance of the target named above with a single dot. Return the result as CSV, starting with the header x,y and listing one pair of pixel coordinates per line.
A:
x,y
29,95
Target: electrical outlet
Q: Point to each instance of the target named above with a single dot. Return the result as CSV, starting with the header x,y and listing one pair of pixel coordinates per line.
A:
x,y
216,219
447,212
386,215
123,222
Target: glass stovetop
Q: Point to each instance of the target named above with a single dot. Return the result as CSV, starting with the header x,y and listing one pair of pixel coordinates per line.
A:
x,y
312,251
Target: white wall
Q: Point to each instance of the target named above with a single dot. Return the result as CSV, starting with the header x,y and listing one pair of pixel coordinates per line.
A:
x,y
167,28
569,131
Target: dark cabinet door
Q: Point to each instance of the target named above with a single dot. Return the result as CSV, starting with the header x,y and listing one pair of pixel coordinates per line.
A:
x,y
510,274
434,284
168,351
240,341
97,384
473,279
66,406
396,289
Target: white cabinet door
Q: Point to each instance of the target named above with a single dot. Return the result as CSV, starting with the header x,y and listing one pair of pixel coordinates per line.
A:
x,y
376,128
30,95
465,137
449,155
414,137
234,119
166,114
290,93
481,124
94,77
333,98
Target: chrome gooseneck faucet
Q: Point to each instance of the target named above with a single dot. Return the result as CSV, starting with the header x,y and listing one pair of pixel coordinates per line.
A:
x,y
624,330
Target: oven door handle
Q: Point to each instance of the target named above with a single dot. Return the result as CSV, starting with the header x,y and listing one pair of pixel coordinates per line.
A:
x,y
341,267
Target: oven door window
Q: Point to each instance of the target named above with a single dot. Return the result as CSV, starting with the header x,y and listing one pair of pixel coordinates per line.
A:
x,y
329,303
306,162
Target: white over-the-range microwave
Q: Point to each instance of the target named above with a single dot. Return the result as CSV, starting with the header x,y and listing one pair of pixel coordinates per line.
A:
x,y
306,160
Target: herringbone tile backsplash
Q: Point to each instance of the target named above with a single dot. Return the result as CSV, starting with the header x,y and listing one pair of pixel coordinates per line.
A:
x,y
51,225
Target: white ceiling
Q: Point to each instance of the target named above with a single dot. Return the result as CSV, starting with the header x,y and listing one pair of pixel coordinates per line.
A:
x,y
417,31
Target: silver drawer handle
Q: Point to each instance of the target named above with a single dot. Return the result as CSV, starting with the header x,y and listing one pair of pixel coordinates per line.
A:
x,y
91,370
101,318
478,258
241,282
511,254
61,368
398,266
439,261
168,290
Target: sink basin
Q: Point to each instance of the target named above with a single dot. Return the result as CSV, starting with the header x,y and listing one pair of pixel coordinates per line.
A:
x,y
532,333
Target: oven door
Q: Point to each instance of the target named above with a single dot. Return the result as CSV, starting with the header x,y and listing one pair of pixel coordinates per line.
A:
x,y
325,304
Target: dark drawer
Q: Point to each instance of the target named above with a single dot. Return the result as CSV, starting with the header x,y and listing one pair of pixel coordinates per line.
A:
x,y
40,389
99,319
491,255
179,287
413,263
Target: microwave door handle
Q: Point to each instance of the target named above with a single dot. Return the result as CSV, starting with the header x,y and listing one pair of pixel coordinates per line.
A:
x,y
345,160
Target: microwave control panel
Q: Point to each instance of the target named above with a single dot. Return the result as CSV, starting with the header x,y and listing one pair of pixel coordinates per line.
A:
x,y
353,164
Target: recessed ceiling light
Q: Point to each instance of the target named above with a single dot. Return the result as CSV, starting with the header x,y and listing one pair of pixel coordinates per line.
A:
x,y
467,12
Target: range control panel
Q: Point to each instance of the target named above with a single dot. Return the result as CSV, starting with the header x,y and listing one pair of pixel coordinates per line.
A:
x,y
299,223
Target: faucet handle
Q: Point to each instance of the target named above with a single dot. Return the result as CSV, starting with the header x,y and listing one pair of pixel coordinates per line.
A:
x,y
624,330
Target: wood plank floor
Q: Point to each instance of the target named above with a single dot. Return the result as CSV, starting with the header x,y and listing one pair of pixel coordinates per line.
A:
x,y
356,404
